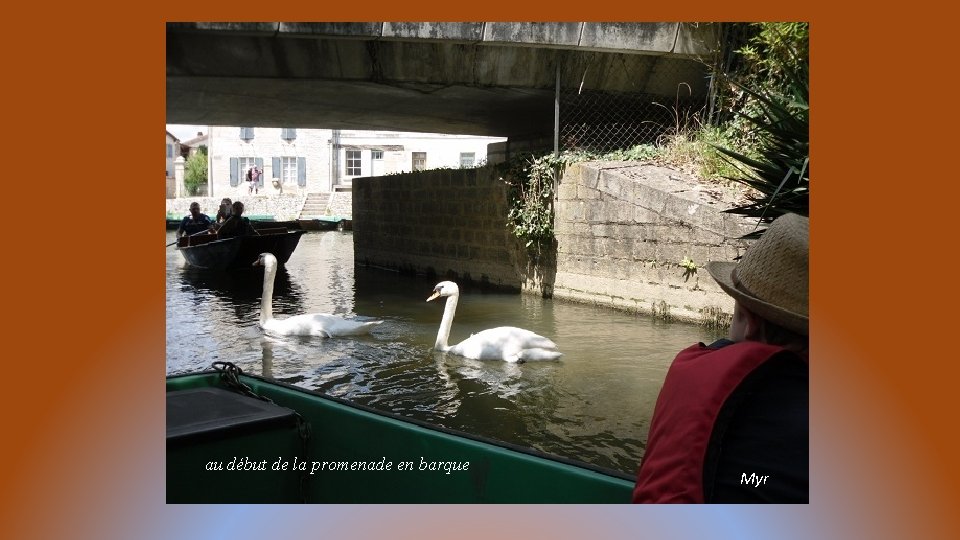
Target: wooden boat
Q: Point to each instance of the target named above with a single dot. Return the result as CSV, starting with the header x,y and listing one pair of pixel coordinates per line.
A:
x,y
210,252
258,222
323,223
290,225
226,446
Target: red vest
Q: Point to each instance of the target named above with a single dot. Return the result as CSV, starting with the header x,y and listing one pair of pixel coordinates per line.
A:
x,y
698,383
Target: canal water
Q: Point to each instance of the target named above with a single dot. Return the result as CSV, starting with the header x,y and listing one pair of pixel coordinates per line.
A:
x,y
593,405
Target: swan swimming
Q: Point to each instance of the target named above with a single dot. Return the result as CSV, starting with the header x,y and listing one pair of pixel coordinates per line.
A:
x,y
502,343
310,324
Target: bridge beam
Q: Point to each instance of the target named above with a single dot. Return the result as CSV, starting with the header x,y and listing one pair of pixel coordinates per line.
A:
x,y
469,78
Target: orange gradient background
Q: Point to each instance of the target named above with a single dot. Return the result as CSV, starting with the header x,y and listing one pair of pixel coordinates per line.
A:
x,y
83,416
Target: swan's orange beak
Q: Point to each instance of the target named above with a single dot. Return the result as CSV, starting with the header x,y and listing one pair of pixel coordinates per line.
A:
x,y
434,295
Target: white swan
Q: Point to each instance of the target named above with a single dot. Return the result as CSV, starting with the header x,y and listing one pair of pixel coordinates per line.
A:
x,y
502,343
311,324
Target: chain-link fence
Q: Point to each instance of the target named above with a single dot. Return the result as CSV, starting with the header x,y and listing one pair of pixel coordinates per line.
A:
x,y
687,95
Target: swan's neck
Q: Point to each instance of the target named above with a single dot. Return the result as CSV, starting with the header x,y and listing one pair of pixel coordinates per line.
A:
x,y
444,334
266,302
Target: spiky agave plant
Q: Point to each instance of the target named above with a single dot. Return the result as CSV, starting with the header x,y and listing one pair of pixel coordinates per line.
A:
x,y
780,171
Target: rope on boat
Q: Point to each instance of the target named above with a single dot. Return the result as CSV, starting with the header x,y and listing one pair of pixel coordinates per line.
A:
x,y
230,377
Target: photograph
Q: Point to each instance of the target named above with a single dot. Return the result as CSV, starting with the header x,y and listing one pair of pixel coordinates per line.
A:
x,y
545,275
487,262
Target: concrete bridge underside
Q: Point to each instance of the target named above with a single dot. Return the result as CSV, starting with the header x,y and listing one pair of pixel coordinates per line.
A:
x,y
495,79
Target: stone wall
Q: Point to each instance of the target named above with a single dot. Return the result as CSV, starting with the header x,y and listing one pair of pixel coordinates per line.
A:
x,y
448,223
341,204
281,207
623,229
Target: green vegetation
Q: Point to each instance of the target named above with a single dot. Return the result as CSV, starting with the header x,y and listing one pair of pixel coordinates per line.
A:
x,y
660,310
689,267
780,171
532,181
714,318
195,171
774,119
759,140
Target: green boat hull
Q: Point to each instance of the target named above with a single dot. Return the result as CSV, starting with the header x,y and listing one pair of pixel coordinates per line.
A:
x,y
353,454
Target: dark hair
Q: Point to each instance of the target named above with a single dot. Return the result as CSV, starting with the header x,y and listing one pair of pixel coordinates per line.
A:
x,y
775,334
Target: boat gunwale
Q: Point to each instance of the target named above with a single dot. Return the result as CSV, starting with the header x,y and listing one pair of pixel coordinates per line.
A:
x,y
530,451
278,234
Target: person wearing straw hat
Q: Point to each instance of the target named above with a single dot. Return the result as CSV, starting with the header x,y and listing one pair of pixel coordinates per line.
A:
x,y
731,423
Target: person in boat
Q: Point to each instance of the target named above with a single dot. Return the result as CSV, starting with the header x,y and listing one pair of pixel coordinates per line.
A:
x,y
195,222
236,224
225,211
731,423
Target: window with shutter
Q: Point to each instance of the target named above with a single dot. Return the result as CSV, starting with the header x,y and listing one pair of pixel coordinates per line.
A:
x,y
288,170
234,172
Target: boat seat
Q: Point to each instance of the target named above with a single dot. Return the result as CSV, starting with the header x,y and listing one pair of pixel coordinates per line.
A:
x,y
221,448
206,413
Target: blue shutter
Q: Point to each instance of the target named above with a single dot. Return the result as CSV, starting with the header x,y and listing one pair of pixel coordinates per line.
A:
x,y
301,172
259,163
276,168
234,171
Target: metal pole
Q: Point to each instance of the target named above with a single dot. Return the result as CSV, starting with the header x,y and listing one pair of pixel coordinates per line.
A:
x,y
556,115
556,132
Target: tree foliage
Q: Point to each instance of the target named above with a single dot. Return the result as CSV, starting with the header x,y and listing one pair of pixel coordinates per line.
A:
x,y
774,120
195,171
531,181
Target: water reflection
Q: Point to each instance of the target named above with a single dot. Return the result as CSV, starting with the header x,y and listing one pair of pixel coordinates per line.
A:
x,y
242,289
593,404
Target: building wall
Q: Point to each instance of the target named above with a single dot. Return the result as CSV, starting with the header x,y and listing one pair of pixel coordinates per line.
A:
x,y
196,144
316,146
623,230
442,151
282,207
311,144
448,223
172,151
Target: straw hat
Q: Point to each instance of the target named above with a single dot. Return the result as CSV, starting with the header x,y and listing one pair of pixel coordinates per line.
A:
x,y
772,278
